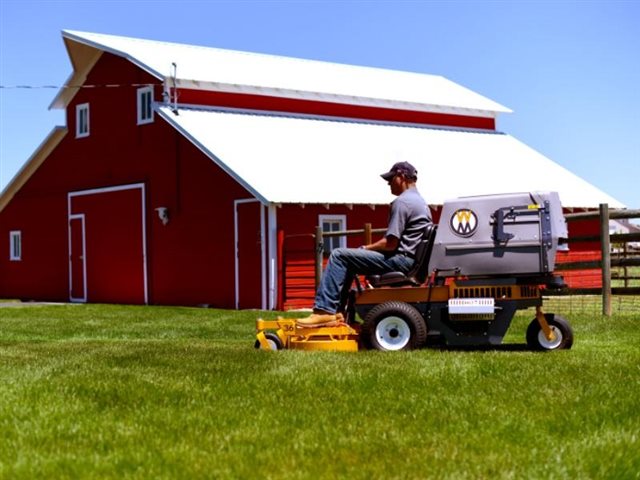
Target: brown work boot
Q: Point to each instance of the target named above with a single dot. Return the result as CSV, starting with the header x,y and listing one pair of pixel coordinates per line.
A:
x,y
320,320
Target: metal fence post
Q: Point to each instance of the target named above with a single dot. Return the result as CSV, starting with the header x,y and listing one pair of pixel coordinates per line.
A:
x,y
605,245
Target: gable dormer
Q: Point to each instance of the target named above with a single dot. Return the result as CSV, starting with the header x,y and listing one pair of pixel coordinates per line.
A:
x,y
212,77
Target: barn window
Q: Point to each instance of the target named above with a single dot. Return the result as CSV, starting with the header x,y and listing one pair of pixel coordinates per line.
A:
x,y
15,246
82,120
333,223
145,105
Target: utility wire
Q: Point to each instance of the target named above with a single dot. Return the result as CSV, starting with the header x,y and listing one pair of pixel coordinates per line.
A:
x,y
106,85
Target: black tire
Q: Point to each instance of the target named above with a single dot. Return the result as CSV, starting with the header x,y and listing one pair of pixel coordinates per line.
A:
x,y
536,340
274,341
394,326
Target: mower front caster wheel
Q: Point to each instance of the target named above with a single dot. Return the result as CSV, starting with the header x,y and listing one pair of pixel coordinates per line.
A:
x,y
394,326
537,340
273,340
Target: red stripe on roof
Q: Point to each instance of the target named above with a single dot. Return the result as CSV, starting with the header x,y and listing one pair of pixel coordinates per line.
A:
x,y
310,107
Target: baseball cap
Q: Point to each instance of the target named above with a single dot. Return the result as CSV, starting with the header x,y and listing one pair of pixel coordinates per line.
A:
x,y
405,168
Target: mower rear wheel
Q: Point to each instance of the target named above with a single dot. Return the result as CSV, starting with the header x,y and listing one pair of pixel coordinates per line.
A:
x,y
273,340
394,326
537,340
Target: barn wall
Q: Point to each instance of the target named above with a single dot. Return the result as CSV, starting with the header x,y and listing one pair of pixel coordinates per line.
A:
x,y
297,265
40,274
190,260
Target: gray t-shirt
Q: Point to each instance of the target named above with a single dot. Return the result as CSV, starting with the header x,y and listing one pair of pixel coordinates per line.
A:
x,y
408,218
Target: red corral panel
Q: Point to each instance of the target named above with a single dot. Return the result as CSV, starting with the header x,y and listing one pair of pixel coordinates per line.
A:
x,y
113,242
581,251
585,278
299,272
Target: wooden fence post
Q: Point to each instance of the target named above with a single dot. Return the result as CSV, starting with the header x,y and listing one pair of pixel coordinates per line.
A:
x,y
605,246
318,263
367,233
625,269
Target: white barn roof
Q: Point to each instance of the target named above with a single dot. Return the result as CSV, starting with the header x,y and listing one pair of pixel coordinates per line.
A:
x,y
206,68
284,159
287,159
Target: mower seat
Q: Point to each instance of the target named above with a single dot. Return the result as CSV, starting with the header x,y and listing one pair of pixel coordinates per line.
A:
x,y
418,273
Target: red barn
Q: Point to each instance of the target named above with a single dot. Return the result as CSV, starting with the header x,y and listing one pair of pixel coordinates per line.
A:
x,y
190,175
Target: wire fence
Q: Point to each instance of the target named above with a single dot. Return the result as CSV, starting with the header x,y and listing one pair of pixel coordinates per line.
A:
x,y
592,304
613,257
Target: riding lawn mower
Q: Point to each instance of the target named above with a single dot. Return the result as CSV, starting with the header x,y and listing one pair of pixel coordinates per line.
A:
x,y
488,257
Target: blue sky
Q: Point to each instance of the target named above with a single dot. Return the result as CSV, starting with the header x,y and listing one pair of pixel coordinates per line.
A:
x,y
570,70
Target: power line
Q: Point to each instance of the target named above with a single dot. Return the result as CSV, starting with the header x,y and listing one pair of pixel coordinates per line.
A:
x,y
104,85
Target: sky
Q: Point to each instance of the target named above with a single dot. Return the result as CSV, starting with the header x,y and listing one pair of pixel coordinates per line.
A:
x,y
569,70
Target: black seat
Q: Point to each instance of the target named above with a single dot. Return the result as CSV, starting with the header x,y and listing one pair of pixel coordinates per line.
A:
x,y
418,273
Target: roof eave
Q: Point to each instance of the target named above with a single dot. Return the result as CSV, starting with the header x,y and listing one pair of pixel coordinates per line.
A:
x,y
336,98
84,54
214,158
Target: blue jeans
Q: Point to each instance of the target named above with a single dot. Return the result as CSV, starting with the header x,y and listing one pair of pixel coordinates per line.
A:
x,y
344,264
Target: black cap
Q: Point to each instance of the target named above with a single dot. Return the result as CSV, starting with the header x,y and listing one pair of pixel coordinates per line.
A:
x,y
408,170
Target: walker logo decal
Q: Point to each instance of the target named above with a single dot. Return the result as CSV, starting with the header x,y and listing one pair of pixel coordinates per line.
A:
x,y
464,222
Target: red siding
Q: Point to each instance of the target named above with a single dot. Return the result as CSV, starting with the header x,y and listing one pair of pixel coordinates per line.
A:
x,y
298,224
291,105
42,273
249,255
113,246
190,260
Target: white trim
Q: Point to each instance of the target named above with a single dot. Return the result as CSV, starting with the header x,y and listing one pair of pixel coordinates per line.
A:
x,y
273,255
263,260
78,216
140,94
117,188
82,107
79,38
339,218
263,278
143,223
15,254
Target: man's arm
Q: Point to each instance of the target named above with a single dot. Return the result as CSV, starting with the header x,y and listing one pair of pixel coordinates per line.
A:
x,y
385,244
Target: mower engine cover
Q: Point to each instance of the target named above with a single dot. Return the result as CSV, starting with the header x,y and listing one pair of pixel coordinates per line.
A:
x,y
508,234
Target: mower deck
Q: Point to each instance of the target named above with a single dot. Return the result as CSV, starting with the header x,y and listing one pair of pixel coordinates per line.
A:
x,y
284,333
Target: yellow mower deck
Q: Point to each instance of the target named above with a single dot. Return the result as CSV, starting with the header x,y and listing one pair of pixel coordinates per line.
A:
x,y
341,338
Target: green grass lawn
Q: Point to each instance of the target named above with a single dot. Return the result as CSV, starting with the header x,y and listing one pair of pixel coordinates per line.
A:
x,y
94,391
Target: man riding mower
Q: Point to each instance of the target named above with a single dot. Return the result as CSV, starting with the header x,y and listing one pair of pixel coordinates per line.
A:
x,y
488,257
